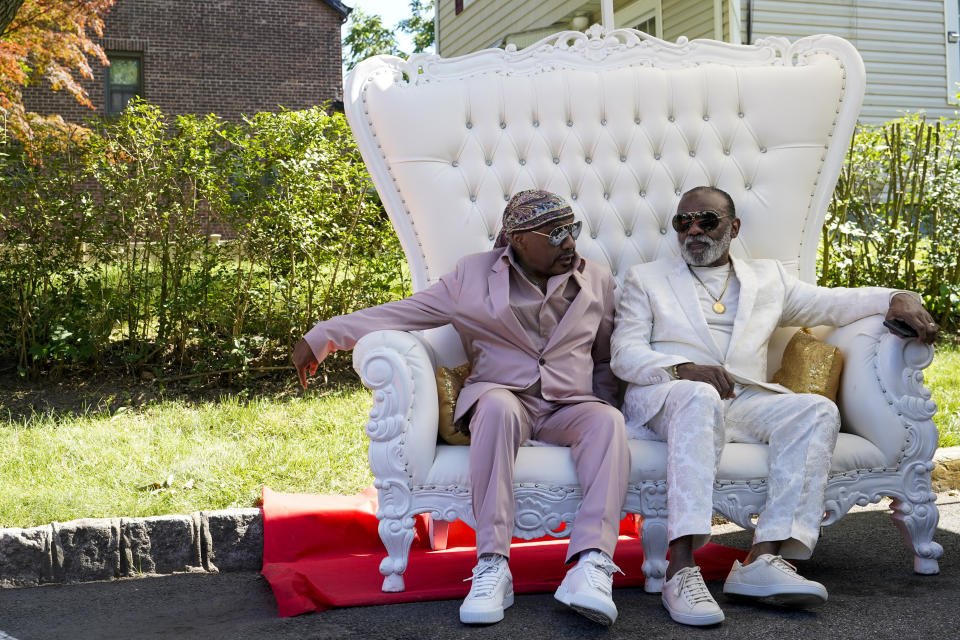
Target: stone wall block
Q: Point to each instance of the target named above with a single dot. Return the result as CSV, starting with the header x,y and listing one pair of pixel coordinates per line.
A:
x,y
234,539
25,556
87,549
159,544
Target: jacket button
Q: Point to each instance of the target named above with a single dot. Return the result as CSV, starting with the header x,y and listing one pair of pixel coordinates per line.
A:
x,y
543,361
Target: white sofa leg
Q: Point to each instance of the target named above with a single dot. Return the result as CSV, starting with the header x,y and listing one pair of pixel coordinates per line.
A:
x,y
397,535
654,540
917,522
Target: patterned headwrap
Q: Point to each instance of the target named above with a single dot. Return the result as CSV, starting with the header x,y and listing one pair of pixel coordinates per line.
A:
x,y
529,210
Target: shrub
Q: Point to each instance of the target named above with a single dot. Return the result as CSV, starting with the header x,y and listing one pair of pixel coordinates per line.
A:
x,y
108,248
895,216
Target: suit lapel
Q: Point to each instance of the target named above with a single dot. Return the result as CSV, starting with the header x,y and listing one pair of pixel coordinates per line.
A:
x,y
574,312
748,295
498,286
683,286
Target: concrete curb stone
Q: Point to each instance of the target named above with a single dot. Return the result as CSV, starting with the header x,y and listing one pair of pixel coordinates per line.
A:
x,y
235,539
87,549
946,469
110,548
26,557
160,544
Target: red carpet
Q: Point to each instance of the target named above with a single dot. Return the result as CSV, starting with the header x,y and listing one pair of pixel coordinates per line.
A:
x,y
324,551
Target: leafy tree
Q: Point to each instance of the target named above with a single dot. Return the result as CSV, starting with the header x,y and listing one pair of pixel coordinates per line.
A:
x,y
367,36
420,25
8,9
46,41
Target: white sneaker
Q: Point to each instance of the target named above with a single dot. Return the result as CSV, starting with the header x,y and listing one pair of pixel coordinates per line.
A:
x,y
490,593
688,600
773,580
588,587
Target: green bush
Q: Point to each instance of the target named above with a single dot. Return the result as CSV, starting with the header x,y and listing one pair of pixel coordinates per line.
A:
x,y
106,253
107,249
895,216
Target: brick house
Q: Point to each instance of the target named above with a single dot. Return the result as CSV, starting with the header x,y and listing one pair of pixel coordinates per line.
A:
x,y
229,57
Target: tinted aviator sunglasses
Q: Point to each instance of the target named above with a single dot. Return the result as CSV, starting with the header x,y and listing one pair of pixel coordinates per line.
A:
x,y
559,234
706,220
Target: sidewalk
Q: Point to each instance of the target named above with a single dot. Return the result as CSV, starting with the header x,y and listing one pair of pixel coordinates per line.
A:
x,y
861,559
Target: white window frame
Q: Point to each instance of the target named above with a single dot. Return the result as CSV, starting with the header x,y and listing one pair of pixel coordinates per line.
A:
x,y
641,11
951,22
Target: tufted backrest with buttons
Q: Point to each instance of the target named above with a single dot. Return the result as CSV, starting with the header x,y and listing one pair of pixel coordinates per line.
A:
x,y
620,124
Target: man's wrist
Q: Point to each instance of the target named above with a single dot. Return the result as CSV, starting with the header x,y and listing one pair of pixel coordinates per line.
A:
x,y
910,294
674,370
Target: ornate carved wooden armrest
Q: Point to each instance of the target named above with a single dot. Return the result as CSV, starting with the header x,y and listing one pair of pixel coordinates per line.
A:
x,y
398,367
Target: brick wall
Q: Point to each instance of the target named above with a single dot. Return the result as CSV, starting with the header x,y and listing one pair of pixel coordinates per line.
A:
x,y
229,57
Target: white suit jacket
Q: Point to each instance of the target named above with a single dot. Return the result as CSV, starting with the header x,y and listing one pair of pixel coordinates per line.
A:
x,y
659,322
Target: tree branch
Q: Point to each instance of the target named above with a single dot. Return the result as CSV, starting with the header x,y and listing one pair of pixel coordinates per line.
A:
x,y
8,9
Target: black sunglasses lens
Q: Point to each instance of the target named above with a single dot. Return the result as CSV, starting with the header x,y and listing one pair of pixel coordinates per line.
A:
x,y
707,220
559,234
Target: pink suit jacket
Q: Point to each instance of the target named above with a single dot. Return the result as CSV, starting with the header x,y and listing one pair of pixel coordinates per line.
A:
x,y
574,366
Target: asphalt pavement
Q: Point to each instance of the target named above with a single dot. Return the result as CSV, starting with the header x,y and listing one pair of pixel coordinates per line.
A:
x,y
862,560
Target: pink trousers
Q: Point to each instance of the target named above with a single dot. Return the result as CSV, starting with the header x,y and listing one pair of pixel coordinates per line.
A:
x,y
595,433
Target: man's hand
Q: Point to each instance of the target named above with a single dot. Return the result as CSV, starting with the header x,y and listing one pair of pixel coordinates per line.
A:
x,y
718,377
304,360
907,309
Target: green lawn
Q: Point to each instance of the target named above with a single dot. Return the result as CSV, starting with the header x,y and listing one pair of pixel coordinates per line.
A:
x,y
175,457
178,457
943,380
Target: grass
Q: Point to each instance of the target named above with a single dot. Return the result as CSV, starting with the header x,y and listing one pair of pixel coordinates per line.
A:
x,y
181,456
178,457
943,380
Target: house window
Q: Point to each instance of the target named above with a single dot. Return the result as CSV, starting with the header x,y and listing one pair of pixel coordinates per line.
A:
x,y
648,26
124,79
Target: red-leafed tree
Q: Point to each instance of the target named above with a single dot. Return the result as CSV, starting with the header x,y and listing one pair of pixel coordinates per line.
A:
x,y
46,42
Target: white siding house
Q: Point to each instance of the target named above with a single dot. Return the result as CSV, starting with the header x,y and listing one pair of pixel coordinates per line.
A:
x,y
910,47
911,63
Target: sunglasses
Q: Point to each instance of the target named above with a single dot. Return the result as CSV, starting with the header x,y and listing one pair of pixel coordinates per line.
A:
x,y
706,220
559,234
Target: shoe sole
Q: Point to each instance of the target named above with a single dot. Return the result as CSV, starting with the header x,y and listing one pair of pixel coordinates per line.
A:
x,y
486,617
692,620
798,598
597,610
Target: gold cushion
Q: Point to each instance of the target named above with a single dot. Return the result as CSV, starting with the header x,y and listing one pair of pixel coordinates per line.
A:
x,y
810,366
449,383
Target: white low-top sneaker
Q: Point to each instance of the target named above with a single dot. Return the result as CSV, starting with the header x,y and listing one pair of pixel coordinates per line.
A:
x,y
588,587
490,593
688,600
773,580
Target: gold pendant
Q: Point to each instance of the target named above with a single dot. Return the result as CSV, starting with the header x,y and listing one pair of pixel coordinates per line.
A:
x,y
718,307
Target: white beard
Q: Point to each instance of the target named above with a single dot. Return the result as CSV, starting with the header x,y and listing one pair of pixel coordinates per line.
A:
x,y
714,250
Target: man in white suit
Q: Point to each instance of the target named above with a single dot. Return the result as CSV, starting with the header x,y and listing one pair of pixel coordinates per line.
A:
x,y
691,339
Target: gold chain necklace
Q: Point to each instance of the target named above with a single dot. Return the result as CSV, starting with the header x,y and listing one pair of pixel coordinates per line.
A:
x,y
718,306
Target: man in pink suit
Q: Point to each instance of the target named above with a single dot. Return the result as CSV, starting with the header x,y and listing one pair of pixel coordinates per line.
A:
x,y
535,319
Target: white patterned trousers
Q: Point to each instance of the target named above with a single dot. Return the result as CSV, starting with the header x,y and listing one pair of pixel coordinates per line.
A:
x,y
801,432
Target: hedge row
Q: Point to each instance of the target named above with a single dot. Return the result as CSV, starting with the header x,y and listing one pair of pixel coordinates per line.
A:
x,y
109,253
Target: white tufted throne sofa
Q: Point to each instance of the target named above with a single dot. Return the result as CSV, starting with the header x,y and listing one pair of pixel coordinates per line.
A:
x,y
621,124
